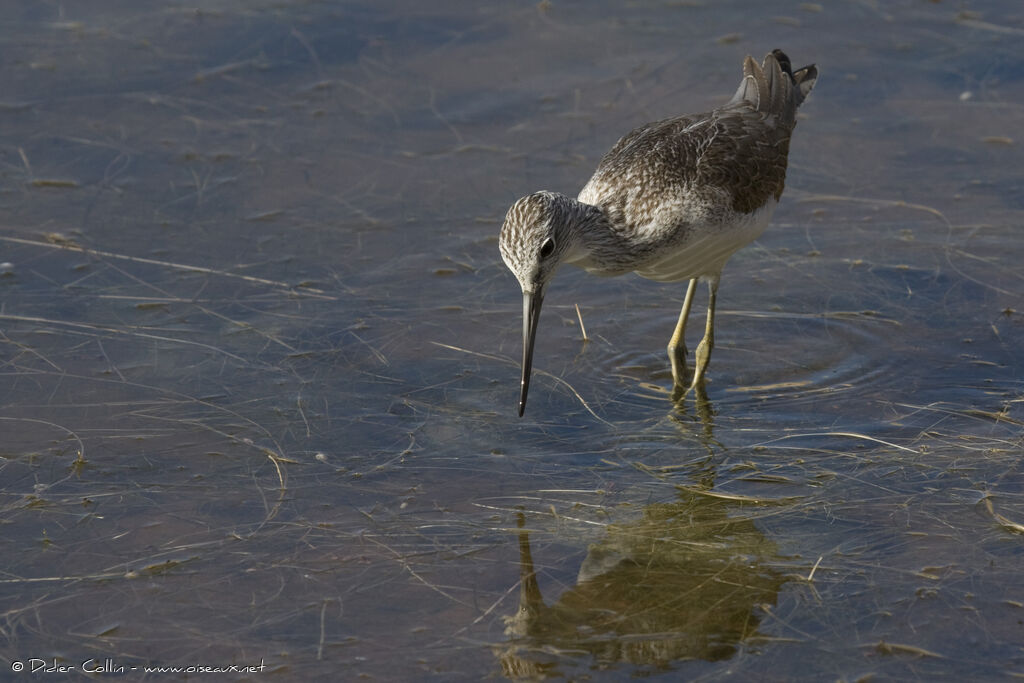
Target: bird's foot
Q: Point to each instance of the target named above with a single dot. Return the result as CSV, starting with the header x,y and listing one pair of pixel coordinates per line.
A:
x,y
697,386
680,370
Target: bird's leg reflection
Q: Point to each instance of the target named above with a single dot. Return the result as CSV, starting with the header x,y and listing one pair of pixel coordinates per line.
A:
x,y
705,412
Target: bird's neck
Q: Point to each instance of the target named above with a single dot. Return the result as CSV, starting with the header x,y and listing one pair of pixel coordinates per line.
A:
x,y
601,244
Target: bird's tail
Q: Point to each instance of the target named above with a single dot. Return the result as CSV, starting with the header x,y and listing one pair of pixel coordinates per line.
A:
x,y
773,87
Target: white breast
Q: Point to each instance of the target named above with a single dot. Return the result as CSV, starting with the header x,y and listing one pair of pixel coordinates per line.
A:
x,y
706,247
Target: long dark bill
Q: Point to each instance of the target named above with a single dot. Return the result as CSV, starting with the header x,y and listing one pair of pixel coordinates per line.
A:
x,y
531,313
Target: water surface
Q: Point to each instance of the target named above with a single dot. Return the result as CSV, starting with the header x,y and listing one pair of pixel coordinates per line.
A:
x,y
260,355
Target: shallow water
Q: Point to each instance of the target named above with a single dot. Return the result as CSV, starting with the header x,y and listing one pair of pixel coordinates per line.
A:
x,y
260,355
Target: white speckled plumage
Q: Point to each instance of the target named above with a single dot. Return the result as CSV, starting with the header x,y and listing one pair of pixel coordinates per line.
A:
x,y
672,200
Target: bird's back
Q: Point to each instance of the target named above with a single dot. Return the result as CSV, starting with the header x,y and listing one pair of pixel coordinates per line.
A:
x,y
705,168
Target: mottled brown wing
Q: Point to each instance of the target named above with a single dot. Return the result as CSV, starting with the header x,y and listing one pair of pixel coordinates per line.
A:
x,y
746,157
736,150
638,153
645,169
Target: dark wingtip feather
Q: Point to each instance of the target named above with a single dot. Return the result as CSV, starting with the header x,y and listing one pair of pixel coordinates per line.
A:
x,y
783,60
771,88
804,79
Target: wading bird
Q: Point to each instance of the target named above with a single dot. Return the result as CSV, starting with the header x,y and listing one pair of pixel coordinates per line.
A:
x,y
672,201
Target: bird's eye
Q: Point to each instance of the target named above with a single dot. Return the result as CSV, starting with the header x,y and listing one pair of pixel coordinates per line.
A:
x,y
547,248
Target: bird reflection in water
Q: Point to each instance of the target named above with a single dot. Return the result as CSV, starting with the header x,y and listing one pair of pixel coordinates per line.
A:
x,y
686,581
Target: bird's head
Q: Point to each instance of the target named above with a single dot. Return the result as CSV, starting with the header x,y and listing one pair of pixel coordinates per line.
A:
x,y
536,237
539,233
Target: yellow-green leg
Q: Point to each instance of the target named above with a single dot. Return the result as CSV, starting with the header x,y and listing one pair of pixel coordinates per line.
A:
x,y
703,355
677,344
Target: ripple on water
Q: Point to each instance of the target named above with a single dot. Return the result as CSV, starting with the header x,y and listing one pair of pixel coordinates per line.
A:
x,y
797,361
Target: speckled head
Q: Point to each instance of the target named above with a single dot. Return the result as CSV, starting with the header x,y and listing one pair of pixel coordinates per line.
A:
x,y
537,235
535,238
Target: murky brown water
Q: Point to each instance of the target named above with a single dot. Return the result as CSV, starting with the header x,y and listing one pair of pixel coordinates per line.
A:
x,y
259,354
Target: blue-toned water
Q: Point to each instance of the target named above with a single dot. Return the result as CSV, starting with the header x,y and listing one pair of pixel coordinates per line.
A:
x,y
259,353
